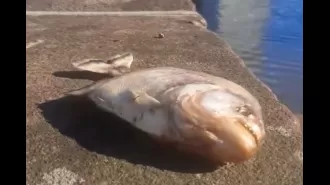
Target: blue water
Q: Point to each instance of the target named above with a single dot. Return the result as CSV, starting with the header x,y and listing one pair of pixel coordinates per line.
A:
x,y
267,34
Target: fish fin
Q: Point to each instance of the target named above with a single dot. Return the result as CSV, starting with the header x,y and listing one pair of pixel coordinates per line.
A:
x,y
115,66
121,60
144,100
92,65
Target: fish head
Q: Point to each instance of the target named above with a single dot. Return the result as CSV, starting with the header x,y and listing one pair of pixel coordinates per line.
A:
x,y
217,123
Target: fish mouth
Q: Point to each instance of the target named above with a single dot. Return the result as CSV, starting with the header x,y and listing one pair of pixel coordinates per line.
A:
x,y
252,123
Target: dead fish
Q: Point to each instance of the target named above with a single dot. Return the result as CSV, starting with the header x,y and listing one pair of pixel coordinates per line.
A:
x,y
198,113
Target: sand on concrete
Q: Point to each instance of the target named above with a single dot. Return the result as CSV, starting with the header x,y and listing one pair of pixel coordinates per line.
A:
x,y
71,141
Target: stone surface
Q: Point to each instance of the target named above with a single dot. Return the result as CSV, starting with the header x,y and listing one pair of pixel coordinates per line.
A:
x,y
108,5
70,139
301,120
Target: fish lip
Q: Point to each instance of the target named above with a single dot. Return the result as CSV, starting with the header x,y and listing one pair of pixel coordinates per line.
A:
x,y
257,137
250,120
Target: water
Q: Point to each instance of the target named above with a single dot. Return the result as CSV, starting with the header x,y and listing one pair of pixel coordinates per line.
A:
x,y
267,35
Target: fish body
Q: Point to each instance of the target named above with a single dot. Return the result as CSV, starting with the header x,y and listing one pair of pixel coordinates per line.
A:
x,y
198,113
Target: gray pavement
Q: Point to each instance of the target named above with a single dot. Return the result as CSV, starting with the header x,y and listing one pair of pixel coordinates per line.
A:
x,y
108,5
69,141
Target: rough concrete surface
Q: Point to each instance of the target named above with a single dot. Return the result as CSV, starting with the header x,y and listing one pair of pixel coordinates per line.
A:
x,y
301,120
108,5
69,141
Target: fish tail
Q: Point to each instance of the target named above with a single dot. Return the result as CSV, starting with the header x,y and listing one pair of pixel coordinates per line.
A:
x,y
115,66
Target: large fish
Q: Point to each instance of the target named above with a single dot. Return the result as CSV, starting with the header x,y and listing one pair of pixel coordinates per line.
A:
x,y
196,112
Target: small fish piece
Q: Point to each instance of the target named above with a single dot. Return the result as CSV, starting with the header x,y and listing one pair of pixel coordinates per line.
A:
x,y
197,113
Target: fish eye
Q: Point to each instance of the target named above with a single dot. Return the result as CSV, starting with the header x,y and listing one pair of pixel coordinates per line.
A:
x,y
245,110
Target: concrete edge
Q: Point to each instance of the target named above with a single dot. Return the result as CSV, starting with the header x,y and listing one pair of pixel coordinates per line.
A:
x,y
114,13
296,121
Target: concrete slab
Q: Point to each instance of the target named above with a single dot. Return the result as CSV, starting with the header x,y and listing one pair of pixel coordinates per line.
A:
x,y
108,5
69,141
